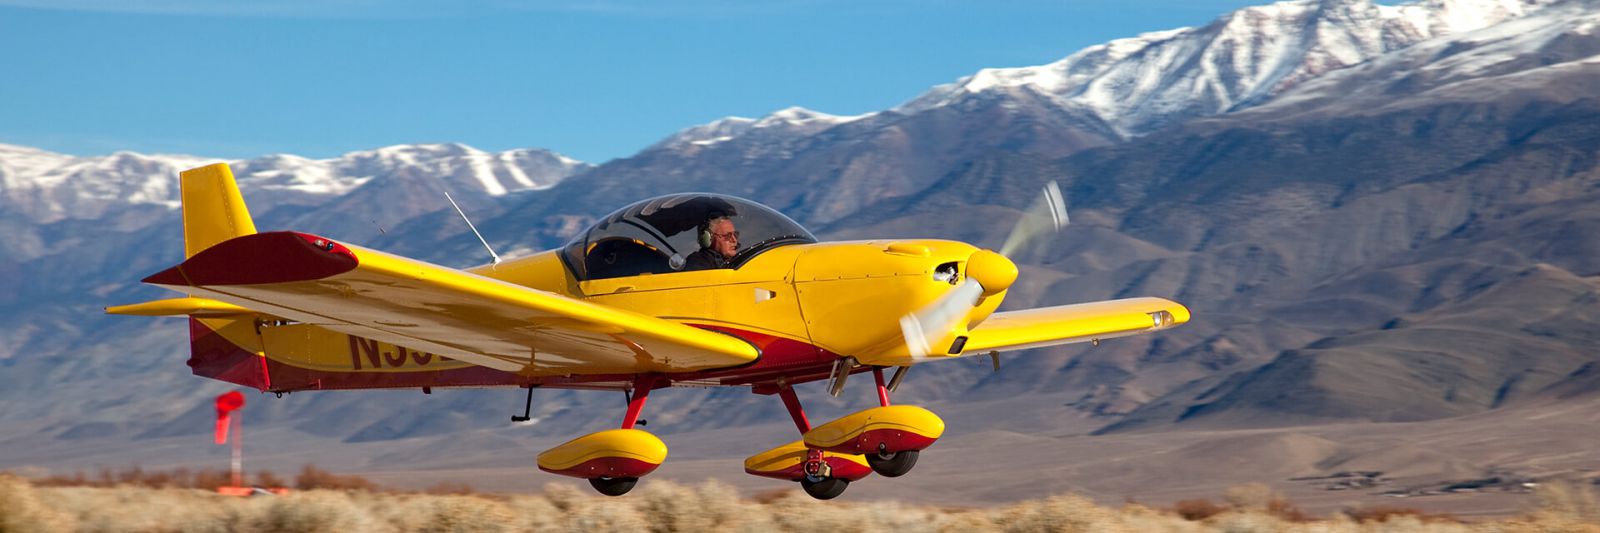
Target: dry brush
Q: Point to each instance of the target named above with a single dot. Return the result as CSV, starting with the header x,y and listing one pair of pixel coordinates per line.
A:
x,y
666,507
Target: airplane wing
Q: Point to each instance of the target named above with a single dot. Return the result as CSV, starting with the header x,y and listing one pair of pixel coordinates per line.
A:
x,y
1066,324
472,318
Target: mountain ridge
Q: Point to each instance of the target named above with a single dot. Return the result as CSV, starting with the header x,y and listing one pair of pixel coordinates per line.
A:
x,y
47,186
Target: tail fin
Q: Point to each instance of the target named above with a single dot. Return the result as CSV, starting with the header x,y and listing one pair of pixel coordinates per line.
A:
x,y
213,210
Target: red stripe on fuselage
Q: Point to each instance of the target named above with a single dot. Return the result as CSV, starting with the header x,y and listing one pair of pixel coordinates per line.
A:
x,y
215,357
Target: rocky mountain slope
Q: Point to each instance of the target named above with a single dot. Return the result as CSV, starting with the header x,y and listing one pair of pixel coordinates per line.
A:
x,y
1096,97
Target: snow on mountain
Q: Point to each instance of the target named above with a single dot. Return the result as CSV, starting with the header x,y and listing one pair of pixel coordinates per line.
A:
x,y
1241,59
709,133
793,121
284,172
46,186
1520,55
495,174
16,161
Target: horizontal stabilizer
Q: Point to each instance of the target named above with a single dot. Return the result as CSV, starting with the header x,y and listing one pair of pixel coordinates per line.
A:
x,y
190,306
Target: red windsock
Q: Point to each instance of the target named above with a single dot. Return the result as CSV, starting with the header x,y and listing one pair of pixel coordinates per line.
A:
x,y
226,405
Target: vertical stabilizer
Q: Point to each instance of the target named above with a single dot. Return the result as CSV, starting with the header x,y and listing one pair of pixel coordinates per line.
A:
x,y
213,210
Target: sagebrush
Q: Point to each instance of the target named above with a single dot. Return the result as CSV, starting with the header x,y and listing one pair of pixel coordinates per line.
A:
x,y
665,507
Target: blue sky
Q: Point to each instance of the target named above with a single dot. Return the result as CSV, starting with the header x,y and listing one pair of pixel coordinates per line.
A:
x,y
593,80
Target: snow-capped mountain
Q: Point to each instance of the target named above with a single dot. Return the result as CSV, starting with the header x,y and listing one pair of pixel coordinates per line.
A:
x,y
1546,53
792,121
494,173
46,186
1241,59
1129,87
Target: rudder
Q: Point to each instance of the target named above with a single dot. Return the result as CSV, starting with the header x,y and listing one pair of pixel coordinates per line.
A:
x,y
213,209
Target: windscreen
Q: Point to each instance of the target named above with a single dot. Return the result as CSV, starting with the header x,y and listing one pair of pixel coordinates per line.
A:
x,y
679,233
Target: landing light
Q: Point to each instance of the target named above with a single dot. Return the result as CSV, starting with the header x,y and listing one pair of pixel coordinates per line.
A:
x,y
1162,319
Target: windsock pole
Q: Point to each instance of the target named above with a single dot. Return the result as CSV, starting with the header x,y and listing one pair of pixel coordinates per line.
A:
x,y
238,452
228,420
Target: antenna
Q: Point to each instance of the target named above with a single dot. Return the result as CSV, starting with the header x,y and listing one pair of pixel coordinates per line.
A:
x,y
474,228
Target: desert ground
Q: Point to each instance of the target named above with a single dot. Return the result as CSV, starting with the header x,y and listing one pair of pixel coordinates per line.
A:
x,y
1475,467
713,506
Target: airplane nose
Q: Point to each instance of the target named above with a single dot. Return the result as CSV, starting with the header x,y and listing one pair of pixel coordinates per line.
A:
x,y
993,271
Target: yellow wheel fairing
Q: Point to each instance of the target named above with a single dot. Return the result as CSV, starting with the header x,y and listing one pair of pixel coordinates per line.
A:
x,y
626,444
787,462
907,419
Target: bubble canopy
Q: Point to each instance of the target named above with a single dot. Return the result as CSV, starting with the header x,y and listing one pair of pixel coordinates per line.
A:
x,y
656,236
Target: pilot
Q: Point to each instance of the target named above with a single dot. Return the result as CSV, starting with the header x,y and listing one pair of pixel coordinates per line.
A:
x,y
718,244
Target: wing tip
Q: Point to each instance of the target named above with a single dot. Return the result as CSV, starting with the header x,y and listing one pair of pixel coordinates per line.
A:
x,y
274,257
170,277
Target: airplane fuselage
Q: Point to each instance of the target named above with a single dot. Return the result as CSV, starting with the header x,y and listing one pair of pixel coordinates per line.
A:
x,y
803,306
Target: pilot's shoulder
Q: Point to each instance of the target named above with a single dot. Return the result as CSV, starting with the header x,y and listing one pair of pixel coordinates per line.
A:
x,y
700,260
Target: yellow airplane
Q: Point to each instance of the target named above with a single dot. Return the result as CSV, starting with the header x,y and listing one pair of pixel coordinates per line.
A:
x,y
691,289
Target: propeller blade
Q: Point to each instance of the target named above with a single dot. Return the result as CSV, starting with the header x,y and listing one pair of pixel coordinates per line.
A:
x,y
1048,214
931,324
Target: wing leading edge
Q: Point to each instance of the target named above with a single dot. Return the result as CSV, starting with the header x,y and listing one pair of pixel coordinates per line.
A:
x,y
448,312
1066,324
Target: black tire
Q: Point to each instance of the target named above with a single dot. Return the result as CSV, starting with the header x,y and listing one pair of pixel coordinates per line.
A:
x,y
892,464
825,489
613,486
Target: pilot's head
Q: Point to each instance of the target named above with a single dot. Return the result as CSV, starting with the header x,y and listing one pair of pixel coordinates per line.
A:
x,y
718,234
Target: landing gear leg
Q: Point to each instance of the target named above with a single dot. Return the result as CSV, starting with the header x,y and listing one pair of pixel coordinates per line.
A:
x,y
793,403
641,392
883,392
617,486
818,482
886,463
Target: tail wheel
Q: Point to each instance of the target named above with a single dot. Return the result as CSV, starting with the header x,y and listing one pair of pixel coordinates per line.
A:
x,y
613,486
892,464
824,488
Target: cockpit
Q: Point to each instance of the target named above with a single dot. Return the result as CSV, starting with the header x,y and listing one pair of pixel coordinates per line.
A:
x,y
676,233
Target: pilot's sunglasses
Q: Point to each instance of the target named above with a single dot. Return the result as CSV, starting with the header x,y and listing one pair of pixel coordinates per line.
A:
x,y
730,235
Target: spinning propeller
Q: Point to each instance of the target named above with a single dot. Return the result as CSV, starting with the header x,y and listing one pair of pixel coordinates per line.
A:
x,y
988,273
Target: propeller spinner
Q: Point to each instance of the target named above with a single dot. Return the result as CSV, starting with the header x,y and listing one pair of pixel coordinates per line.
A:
x,y
988,273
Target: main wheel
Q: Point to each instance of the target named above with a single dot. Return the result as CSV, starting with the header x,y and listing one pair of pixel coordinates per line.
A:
x,y
613,486
892,464
824,488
